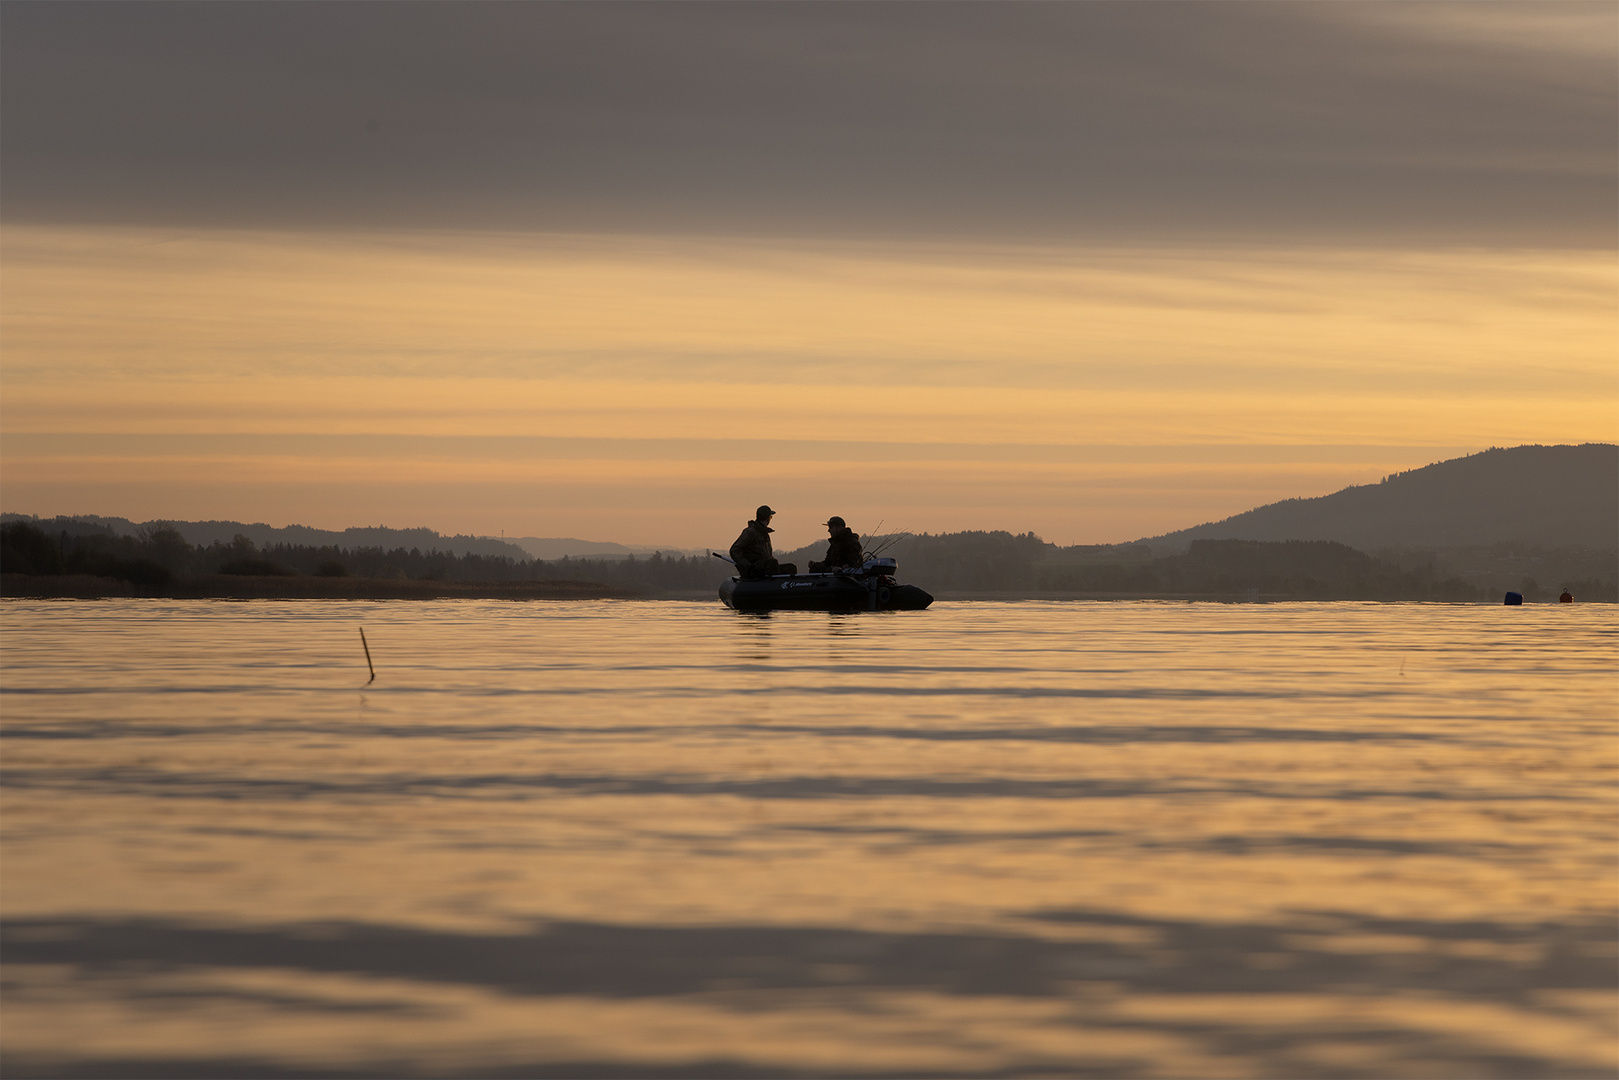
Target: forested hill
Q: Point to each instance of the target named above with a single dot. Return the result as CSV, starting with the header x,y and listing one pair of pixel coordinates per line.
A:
x,y
204,533
1550,496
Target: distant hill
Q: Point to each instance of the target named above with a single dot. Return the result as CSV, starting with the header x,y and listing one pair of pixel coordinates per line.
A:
x,y
542,547
1546,496
209,532
545,547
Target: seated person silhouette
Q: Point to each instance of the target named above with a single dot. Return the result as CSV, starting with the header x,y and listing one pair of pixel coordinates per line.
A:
x,y
843,551
752,553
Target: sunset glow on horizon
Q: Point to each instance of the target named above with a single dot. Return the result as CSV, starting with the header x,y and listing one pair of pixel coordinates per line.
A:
x,y
651,392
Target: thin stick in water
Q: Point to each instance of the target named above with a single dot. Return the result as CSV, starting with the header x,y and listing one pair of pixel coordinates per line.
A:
x,y
367,649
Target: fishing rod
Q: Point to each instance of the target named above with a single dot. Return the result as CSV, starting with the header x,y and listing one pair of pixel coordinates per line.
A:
x,y
889,541
873,554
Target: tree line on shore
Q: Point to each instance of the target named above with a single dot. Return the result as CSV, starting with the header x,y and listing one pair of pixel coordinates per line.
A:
x,y
961,562
156,557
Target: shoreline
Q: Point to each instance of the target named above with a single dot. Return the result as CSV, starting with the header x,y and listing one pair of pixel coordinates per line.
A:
x,y
230,587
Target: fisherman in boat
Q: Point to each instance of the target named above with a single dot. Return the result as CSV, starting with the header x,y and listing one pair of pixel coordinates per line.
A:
x,y
752,553
844,550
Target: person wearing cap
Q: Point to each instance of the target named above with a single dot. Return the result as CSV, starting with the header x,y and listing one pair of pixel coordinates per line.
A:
x,y
752,553
844,549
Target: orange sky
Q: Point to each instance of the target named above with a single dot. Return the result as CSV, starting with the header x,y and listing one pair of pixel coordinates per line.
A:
x,y
652,391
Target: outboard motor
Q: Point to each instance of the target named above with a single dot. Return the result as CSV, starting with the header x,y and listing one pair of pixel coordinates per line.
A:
x,y
882,567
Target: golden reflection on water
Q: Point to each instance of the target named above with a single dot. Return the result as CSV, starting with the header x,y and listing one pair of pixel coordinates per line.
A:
x,y
628,838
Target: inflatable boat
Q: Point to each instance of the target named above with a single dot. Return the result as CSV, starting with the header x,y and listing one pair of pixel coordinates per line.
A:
x,y
869,588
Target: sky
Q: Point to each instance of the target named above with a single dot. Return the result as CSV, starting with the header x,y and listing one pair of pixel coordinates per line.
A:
x,y
623,272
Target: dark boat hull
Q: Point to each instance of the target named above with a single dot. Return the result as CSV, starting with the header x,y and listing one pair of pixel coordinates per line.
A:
x,y
821,592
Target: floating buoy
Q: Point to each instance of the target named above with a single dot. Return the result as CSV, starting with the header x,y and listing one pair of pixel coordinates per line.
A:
x,y
1514,599
1566,598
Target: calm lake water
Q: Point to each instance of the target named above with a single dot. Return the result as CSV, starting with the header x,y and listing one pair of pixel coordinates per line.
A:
x,y
620,838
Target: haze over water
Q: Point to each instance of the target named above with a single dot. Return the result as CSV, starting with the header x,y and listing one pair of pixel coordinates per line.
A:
x,y
1123,839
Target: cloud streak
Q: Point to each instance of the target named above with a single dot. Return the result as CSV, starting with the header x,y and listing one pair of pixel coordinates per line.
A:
x,y
115,304
1474,124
